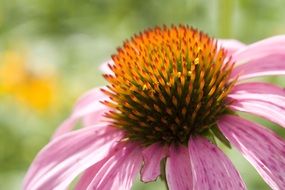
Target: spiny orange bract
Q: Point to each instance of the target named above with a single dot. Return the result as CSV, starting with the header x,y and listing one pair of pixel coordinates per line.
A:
x,y
168,84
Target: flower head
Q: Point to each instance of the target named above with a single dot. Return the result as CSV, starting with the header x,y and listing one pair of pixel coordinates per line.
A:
x,y
168,84
172,92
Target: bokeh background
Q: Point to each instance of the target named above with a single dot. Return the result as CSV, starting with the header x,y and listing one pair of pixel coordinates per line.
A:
x,y
50,52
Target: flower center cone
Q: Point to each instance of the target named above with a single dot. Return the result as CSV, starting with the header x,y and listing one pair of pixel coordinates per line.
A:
x,y
168,84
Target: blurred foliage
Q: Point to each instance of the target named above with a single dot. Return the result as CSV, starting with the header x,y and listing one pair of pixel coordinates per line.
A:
x,y
50,52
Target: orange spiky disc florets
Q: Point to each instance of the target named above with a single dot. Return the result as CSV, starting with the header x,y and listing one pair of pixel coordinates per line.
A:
x,y
168,84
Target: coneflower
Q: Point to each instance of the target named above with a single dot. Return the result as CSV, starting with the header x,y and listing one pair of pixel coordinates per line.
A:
x,y
172,92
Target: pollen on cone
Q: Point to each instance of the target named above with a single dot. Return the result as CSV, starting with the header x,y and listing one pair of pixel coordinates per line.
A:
x,y
170,77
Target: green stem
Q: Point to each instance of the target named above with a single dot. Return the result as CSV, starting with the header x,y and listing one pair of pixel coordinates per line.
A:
x,y
162,172
225,17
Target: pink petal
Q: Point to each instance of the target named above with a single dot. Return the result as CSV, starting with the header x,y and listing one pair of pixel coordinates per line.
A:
x,y
119,171
262,58
231,45
258,88
178,169
260,146
152,156
68,155
88,107
259,91
262,99
211,169
271,65
104,67
257,49
264,109
89,174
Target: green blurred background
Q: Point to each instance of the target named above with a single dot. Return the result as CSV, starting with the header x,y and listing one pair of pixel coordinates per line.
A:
x,y
50,52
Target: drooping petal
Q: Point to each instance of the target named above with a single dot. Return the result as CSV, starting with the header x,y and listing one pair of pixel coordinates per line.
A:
x,y
262,58
258,88
152,156
104,67
259,91
89,174
265,109
178,169
257,49
68,155
88,107
271,65
231,45
261,99
211,169
260,146
119,171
